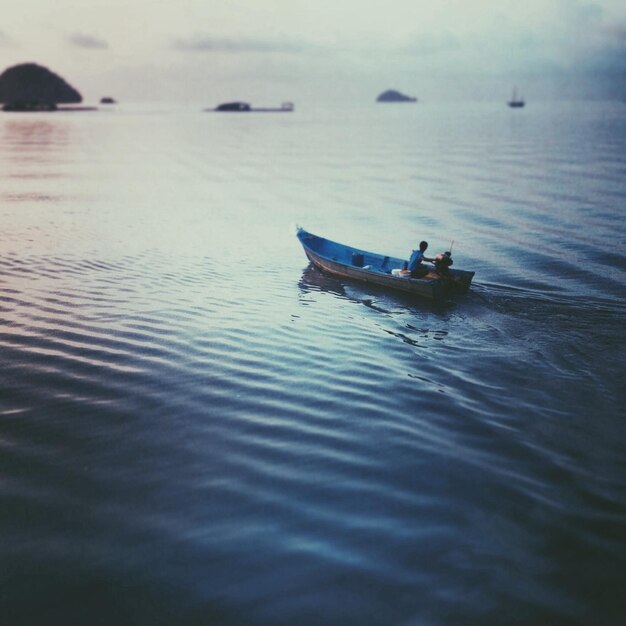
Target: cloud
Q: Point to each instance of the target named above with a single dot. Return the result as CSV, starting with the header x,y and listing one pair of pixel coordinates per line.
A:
x,y
427,44
208,43
90,42
6,41
616,33
561,36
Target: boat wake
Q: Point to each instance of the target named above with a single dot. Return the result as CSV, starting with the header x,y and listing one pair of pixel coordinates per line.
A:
x,y
529,301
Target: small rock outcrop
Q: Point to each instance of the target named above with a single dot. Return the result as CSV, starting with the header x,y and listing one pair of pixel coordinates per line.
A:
x,y
391,95
32,87
233,106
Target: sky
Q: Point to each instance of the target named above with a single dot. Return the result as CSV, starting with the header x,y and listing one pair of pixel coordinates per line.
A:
x,y
268,51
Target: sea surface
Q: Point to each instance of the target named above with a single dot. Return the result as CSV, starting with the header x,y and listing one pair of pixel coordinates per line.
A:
x,y
198,428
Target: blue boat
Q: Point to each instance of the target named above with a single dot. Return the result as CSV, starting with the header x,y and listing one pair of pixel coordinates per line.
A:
x,y
385,271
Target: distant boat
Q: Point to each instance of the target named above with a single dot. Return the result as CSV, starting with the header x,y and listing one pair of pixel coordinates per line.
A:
x,y
515,102
244,107
385,271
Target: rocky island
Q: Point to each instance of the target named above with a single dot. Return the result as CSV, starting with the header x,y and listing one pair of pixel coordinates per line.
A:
x,y
391,95
244,107
32,87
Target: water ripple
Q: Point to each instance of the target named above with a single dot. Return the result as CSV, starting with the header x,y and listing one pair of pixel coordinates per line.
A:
x,y
193,419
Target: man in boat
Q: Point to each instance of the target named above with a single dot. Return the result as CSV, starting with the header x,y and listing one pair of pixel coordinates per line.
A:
x,y
418,269
443,262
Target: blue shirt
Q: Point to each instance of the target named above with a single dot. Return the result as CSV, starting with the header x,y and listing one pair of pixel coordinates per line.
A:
x,y
416,259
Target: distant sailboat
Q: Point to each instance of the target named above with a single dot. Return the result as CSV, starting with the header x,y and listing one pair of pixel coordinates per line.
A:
x,y
515,102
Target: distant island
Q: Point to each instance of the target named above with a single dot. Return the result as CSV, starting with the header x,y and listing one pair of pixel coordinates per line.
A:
x,y
244,107
391,95
108,100
32,87
233,106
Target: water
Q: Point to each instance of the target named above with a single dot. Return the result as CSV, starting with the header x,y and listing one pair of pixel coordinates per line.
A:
x,y
197,428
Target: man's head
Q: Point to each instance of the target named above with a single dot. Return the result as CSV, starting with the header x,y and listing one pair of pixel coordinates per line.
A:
x,y
423,246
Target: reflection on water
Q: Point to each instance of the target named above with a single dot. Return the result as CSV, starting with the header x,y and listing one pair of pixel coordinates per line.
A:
x,y
34,152
34,137
314,280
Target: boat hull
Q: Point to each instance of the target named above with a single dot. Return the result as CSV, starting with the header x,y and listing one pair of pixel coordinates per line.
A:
x,y
368,267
